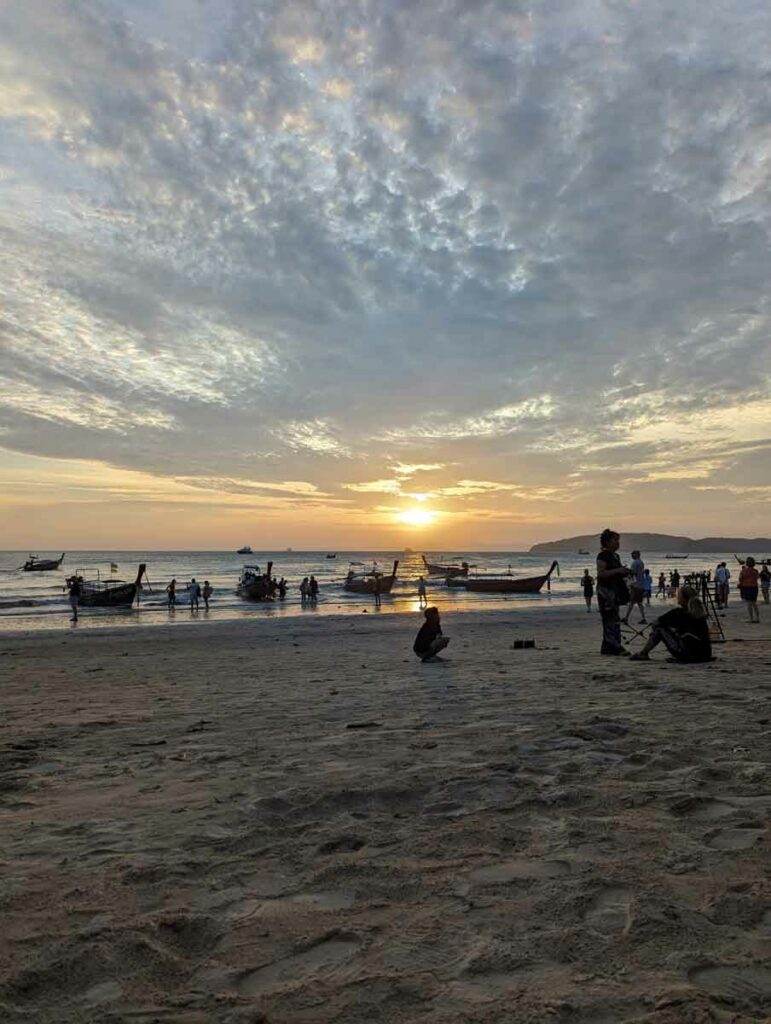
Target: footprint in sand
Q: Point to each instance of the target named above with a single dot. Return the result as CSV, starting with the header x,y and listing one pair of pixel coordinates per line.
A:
x,y
316,962
609,913
736,838
509,870
699,808
747,984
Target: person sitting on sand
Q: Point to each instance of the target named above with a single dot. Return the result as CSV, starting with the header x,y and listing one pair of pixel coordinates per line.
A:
x,y
748,588
684,631
430,641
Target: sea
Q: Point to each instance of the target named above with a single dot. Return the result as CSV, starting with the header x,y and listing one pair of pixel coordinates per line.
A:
x,y
37,600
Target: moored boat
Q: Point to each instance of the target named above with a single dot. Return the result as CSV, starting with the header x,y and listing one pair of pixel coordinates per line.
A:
x,y
503,584
109,593
35,564
366,582
254,585
678,557
437,569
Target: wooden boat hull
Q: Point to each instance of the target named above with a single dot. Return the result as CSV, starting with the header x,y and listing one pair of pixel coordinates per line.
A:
x,y
434,569
108,594
122,595
42,564
257,588
503,584
366,584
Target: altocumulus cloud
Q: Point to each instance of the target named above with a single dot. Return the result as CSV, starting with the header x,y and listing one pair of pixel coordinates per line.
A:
x,y
292,241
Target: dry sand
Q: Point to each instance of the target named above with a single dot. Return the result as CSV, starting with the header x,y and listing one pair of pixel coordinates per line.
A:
x,y
298,822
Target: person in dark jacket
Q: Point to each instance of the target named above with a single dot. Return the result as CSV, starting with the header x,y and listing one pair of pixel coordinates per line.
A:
x,y
684,631
612,592
430,641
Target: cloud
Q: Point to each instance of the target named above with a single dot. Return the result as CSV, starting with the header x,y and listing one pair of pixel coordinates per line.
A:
x,y
294,242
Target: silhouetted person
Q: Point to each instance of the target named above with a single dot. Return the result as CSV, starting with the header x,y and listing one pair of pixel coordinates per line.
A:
x,y
647,586
304,591
748,588
378,589
313,589
662,591
587,583
208,590
195,594
281,589
765,583
422,596
171,595
612,592
684,631
636,587
74,590
430,641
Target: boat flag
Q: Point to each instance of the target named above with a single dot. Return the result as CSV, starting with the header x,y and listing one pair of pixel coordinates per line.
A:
x,y
113,566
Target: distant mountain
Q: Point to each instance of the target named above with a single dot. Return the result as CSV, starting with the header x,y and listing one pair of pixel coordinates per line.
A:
x,y
658,542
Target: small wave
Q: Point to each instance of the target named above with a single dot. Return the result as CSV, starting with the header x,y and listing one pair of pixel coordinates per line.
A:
x,y
22,603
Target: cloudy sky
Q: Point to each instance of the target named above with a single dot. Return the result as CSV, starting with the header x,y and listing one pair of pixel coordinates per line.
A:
x,y
376,273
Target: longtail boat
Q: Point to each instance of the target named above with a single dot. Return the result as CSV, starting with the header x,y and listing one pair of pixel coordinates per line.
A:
x,y
254,585
503,584
35,564
100,593
436,569
365,583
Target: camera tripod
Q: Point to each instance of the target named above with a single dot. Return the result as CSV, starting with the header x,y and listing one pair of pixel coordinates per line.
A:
x,y
701,583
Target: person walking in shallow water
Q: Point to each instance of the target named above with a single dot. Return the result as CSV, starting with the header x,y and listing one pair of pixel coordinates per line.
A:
x,y
195,594
378,589
171,595
587,582
611,592
207,593
74,591
422,597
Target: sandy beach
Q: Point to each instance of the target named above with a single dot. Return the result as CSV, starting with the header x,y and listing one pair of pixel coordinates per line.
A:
x,y
298,822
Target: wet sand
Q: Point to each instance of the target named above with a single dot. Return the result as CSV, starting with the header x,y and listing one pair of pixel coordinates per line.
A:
x,y
296,821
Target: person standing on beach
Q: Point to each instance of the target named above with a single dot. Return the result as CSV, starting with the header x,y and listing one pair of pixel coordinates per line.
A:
x,y
587,583
195,594
636,588
304,591
74,590
208,590
765,582
662,591
674,584
281,589
430,641
748,588
171,594
611,592
422,597
313,590
647,586
377,590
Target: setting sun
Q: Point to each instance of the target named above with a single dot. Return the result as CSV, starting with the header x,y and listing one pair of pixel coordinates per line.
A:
x,y
417,516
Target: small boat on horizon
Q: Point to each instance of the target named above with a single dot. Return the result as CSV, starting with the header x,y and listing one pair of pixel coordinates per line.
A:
x,y
108,593
245,550
676,556
503,584
332,556
365,582
35,564
582,551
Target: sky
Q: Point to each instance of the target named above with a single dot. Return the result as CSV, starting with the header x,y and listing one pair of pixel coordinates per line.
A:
x,y
377,273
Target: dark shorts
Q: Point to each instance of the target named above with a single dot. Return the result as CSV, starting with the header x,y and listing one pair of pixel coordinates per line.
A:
x,y
749,594
636,594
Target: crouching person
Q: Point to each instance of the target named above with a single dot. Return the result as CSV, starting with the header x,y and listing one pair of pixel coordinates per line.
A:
x,y
429,641
684,631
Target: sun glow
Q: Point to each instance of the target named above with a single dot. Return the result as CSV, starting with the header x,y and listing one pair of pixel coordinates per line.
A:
x,y
417,516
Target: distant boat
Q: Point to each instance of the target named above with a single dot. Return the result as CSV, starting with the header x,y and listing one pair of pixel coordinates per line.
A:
x,y
331,556
245,550
437,569
582,551
676,556
503,584
254,585
35,564
108,593
409,551
364,582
